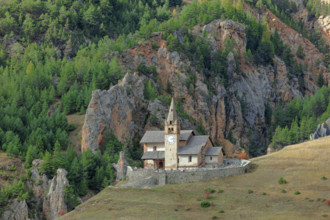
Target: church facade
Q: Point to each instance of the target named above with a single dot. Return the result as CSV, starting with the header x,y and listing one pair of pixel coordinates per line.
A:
x,y
173,148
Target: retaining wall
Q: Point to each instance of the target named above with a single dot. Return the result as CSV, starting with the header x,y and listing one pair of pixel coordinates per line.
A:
x,y
184,176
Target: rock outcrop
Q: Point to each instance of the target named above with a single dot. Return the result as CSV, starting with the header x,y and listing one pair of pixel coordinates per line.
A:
x,y
39,184
313,56
238,108
118,110
121,167
17,210
321,131
221,31
54,202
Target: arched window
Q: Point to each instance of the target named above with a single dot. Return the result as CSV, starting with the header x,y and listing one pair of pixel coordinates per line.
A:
x,y
190,157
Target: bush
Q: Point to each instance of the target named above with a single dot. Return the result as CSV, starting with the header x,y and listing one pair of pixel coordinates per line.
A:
x,y
324,178
221,211
282,181
264,193
297,193
210,190
214,217
283,191
12,168
205,204
250,191
220,191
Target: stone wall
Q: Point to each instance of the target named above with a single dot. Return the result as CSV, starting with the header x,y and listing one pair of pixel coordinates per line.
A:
x,y
185,176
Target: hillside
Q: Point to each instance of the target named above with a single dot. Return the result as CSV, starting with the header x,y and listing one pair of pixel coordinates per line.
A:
x,y
302,165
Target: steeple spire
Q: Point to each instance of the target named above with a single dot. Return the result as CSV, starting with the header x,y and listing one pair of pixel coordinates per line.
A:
x,y
172,116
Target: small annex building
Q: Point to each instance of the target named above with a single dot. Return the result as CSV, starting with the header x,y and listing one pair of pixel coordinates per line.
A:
x,y
174,148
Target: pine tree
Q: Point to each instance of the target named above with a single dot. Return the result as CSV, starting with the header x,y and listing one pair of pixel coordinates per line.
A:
x,y
47,166
320,80
31,154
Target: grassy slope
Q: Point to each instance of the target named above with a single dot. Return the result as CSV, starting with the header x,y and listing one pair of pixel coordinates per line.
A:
x,y
301,165
75,136
7,175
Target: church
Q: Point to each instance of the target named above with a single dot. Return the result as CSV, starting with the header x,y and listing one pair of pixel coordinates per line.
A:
x,y
174,149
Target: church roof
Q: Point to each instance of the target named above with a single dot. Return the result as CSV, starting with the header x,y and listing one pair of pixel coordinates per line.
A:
x,y
194,145
152,155
172,116
158,136
213,151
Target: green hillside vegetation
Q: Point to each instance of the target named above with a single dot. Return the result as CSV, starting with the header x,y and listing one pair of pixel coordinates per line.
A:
x,y
55,53
254,195
298,120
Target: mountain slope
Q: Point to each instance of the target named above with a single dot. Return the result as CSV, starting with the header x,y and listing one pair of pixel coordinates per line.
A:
x,y
301,165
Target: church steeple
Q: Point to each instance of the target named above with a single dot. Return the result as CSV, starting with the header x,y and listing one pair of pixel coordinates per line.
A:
x,y
172,124
172,116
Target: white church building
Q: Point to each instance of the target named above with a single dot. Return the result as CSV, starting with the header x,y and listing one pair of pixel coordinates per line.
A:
x,y
174,148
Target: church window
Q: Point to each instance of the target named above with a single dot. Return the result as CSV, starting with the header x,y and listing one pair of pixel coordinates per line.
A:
x,y
169,129
211,158
155,148
170,122
190,158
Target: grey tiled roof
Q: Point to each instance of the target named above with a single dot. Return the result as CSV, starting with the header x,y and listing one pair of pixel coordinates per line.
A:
x,y
213,151
158,136
194,145
153,155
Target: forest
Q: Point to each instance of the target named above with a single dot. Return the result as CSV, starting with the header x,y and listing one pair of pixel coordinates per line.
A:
x,y
55,53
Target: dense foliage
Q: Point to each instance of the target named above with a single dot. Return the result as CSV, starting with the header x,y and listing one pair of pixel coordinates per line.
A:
x,y
298,119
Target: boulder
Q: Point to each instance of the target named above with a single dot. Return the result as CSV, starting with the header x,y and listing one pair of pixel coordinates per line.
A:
x,y
54,202
17,210
321,131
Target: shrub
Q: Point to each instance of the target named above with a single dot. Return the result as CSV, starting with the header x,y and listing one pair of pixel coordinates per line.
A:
x,y
296,192
264,193
324,178
12,168
325,215
282,181
283,191
221,211
214,217
327,202
250,191
205,204
210,190
220,191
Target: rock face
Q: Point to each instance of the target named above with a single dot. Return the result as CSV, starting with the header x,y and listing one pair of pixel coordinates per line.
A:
x,y
237,109
294,40
39,184
221,31
322,130
54,204
117,109
121,166
17,210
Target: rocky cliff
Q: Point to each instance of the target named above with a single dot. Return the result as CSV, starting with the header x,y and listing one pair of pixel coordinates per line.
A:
x,y
238,109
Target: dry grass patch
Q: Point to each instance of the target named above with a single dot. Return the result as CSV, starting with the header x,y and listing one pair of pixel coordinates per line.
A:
x,y
302,166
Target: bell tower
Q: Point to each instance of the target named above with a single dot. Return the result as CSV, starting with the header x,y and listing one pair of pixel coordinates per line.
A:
x,y
172,138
